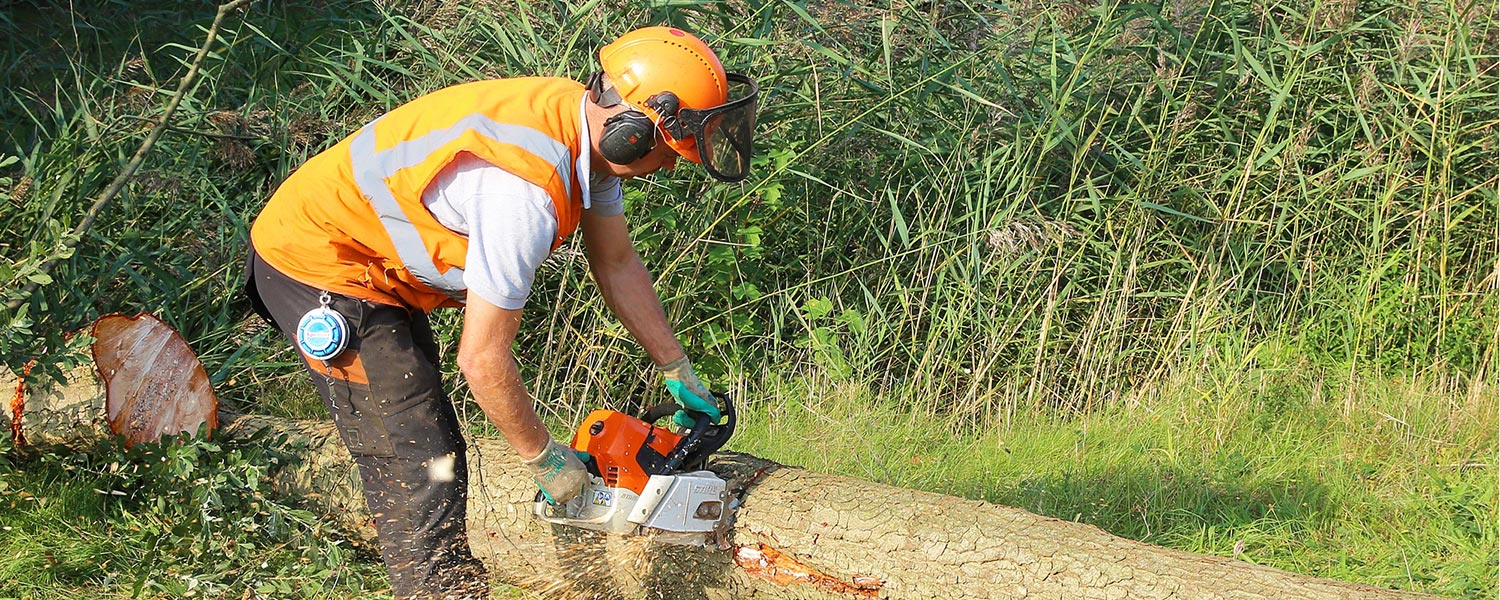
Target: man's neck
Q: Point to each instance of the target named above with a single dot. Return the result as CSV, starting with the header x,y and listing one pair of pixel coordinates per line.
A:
x,y
594,117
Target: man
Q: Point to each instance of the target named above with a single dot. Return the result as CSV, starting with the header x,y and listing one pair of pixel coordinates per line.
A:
x,y
454,200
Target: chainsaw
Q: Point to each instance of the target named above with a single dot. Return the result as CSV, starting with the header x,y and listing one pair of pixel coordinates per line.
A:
x,y
645,479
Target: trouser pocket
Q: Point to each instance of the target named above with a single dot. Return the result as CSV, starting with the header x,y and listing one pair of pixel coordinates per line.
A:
x,y
358,418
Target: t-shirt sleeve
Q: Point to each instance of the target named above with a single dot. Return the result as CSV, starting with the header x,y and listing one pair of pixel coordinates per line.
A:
x,y
605,198
509,237
510,224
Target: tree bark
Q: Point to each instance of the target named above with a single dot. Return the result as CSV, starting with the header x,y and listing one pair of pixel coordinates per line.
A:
x,y
799,534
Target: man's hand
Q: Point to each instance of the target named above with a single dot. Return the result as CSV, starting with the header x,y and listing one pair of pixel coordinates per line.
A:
x,y
689,392
558,472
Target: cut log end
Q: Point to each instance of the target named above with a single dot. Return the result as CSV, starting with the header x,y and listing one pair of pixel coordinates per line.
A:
x,y
18,406
154,384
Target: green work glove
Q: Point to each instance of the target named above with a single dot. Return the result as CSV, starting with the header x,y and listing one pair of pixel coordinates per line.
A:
x,y
689,392
559,472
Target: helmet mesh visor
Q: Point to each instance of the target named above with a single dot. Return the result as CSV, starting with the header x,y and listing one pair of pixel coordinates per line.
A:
x,y
725,146
725,142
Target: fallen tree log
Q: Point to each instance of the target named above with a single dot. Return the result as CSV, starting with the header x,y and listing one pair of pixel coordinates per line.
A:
x,y
799,534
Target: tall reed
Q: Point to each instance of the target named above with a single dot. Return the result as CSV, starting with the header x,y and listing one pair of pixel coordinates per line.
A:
x,y
980,208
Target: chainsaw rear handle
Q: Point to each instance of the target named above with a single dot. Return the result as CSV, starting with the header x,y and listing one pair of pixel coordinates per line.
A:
x,y
540,505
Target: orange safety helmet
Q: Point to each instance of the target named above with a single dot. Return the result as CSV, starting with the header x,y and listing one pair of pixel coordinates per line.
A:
x,y
671,77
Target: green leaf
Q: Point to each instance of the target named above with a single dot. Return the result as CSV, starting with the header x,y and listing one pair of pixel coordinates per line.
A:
x,y
898,219
750,235
852,319
817,308
747,291
771,195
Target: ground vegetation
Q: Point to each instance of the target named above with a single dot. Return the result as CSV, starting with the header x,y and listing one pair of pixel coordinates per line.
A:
x,y
1219,275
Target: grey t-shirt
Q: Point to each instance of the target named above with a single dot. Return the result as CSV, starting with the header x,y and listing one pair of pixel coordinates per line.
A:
x,y
509,221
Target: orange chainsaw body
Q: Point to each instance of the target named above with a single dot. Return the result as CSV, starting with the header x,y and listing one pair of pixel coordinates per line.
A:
x,y
626,451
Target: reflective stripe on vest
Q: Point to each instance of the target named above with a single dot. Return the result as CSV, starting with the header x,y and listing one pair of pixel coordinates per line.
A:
x,y
371,168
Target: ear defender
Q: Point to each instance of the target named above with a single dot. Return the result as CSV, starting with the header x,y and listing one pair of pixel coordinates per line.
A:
x,y
627,137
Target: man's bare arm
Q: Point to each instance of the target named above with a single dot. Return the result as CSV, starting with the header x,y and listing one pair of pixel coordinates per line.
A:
x,y
489,365
627,286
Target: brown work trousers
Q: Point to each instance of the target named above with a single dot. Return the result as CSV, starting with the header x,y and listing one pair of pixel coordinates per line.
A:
x,y
385,394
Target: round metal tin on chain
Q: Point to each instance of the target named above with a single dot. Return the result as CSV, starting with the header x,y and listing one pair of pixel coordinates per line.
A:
x,y
322,333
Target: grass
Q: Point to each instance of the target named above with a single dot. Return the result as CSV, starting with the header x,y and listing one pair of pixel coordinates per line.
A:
x,y
1381,480
1267,465
1199,272
166,520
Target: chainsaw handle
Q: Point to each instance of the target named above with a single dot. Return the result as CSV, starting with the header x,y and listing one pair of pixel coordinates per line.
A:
x,y
540,506
660,411
703,440
667,409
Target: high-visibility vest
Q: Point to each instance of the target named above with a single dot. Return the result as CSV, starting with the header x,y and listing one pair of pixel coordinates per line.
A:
x,y
351,219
